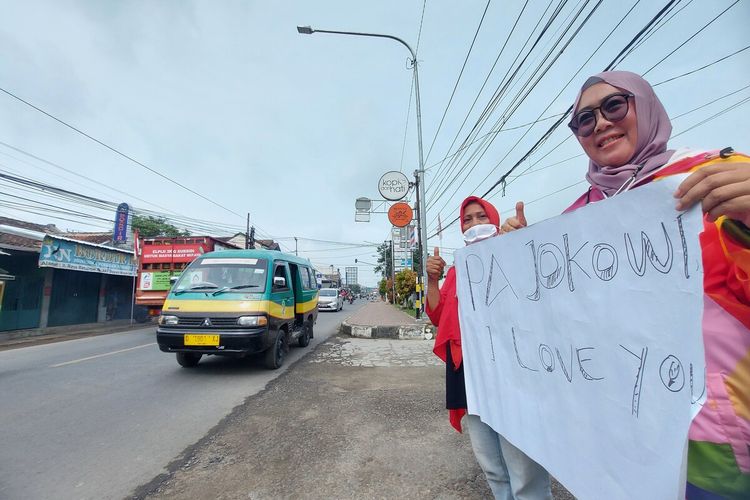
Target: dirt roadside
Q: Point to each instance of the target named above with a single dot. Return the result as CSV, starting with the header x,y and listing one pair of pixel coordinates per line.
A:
x,y
354,419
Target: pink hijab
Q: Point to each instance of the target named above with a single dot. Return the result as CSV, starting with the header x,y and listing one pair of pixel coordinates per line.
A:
x,y
654,129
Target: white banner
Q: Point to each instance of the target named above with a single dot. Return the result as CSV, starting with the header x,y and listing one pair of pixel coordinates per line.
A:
x,y
582,341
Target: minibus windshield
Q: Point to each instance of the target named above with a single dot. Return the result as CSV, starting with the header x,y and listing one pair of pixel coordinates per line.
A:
x,y
230,275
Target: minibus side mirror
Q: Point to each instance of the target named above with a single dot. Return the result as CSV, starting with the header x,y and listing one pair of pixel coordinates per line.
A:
x,y
173,279
279,282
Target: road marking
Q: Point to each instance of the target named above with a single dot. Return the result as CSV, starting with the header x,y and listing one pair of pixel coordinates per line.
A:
x,y
101,355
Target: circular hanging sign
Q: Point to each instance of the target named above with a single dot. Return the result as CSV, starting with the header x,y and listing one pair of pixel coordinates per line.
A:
x,y
393,185
363,204
400,214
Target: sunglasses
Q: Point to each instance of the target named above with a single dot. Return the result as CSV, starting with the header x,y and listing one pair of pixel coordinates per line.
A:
x,y
613,108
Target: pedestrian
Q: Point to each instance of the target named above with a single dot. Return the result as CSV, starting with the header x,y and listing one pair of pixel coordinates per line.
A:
x,y
623,128
509,472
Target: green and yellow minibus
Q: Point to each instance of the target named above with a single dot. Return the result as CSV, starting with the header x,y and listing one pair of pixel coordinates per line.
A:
x,y
240,302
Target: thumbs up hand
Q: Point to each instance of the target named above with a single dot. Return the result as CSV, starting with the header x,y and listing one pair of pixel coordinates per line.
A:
x,y
516,222
435,266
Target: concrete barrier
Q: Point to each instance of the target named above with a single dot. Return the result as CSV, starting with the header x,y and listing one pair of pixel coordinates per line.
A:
x,y
403,332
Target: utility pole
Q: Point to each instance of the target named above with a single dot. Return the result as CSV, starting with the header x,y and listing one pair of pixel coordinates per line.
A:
x,y
247,232
422,244
393,273
295,246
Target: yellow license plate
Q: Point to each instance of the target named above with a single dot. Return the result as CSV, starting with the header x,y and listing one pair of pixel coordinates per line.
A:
x,y
211,340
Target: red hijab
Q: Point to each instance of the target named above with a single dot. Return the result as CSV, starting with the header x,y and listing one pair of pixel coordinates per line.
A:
x,y
445,315
449,332
488,207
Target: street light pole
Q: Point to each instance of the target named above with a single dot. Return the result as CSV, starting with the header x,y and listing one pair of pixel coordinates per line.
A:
x,y
421,204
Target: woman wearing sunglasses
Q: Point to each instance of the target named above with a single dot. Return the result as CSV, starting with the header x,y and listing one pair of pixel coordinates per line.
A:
x,y
623,129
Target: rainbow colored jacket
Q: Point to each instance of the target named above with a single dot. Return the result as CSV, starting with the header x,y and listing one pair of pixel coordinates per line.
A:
x,y
719,447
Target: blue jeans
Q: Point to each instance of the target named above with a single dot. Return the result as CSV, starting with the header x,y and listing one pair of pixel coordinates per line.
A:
x,y
510,473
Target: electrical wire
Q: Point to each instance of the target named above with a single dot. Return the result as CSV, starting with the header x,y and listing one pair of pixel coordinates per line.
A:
x,y
460,74
492,69
530,86
118,152
702,67
546,135
690,38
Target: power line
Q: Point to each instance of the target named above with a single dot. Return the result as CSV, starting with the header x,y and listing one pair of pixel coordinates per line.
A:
x,y
492,69
499,91
530,86
546,135
114,150
56,165
656,27
419,34
702,67
716,115
495,132
729,108
460,74
691,37
406,127
710,102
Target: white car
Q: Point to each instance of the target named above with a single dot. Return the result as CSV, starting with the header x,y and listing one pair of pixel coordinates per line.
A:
x,y
330,299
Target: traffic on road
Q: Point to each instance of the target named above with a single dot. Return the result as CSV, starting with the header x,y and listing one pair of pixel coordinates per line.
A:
x,y
117,409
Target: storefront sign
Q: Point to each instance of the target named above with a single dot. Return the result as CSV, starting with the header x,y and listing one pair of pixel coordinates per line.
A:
x,y
155,281
79,256
171,253
400,214
393,185
121,223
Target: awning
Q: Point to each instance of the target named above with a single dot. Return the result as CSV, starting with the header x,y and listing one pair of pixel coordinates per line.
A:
x,y
5,275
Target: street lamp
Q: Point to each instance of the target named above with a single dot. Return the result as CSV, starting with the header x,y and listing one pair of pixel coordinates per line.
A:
x,y
421,205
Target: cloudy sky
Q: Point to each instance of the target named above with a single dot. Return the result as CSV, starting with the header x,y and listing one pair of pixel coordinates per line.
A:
x,y
224,109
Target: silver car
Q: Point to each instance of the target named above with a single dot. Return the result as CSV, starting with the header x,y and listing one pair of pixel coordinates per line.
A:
x,y
330,299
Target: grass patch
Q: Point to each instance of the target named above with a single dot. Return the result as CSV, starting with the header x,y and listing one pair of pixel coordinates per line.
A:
x,y
409,310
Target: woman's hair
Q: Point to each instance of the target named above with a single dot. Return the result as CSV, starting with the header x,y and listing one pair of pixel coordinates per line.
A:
x,y
654,129
488,207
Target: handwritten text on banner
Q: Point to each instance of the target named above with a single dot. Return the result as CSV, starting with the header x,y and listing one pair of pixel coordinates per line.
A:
x,y
582,341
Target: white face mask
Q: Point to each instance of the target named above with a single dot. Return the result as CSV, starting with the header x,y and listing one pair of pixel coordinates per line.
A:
x,y
479,232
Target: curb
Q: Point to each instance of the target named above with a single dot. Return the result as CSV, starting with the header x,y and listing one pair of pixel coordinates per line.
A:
x,y
402,332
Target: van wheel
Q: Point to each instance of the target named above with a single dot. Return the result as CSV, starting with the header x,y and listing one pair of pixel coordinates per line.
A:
x,y
274,356
304,338
188,359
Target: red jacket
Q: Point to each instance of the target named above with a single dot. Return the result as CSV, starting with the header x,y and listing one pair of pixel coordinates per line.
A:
x,y
445,317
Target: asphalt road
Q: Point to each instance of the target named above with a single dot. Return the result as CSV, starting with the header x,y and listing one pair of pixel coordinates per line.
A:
x,y
98,416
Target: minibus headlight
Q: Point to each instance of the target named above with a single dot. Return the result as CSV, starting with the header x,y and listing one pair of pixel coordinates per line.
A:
x,y
252,321
168,320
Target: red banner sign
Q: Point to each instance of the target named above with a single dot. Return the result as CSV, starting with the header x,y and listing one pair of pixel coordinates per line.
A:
x,y
171,253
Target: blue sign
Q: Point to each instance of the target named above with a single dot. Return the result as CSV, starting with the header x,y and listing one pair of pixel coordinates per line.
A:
x,y
121,223
79,256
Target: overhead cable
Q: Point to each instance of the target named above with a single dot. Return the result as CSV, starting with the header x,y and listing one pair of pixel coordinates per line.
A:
x,y
118,152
